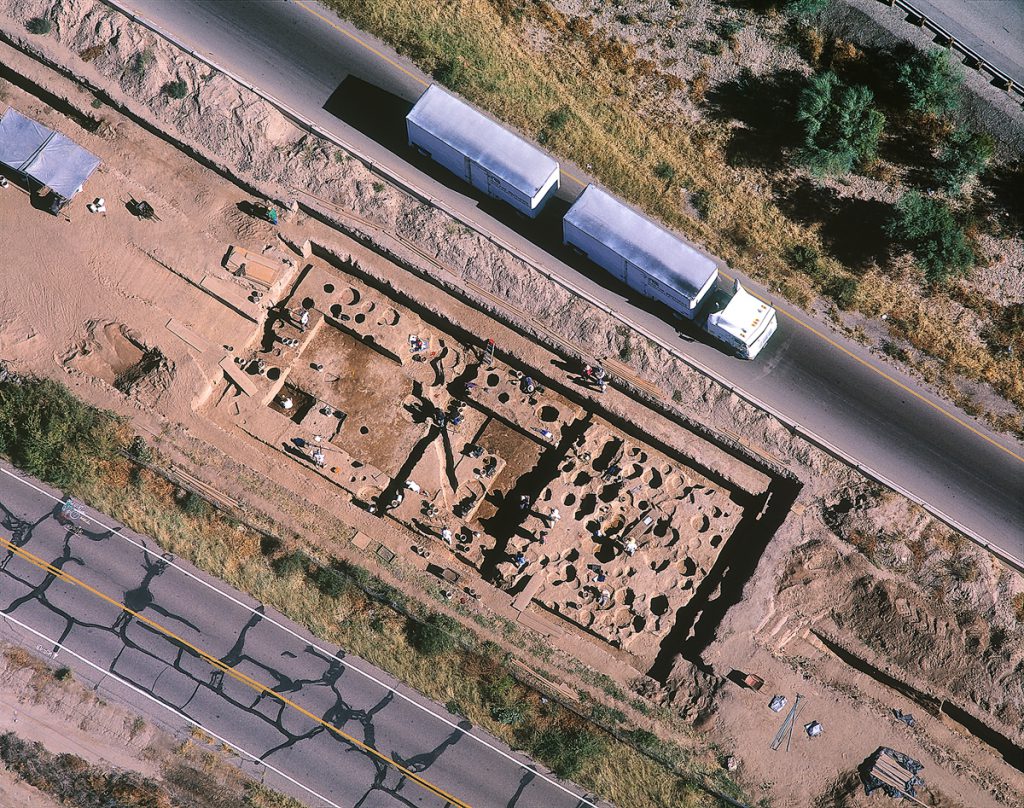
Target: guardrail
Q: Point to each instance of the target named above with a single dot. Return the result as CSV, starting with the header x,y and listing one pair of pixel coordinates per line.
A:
x,y
972,58
414,190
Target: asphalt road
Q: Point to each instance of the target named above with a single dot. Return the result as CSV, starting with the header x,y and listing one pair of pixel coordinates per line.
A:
x,y
226,655
357,88
992,28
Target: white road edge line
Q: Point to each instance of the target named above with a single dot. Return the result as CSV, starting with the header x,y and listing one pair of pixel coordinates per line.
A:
x,y
171,710
117,532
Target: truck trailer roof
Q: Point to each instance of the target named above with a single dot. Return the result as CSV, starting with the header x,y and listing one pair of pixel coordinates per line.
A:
x,y
640,241
489,144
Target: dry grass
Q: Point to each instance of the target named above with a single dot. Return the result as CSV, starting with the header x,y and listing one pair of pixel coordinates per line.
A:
x,y
374,633
621,129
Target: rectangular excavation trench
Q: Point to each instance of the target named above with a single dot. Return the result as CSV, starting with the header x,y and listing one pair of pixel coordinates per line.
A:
x,y
696,622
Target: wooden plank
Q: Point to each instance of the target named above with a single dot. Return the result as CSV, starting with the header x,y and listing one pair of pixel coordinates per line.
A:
x,y
238,376
565,692
540,624
187,335
232,295
257,267
627,374
533,586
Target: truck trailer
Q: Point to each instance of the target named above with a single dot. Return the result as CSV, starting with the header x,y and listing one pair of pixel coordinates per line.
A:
x,y
744,323
481,152
638,252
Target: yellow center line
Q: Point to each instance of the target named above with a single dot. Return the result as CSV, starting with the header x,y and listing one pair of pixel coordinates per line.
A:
x,y
230,671
889,378
795,319
363,43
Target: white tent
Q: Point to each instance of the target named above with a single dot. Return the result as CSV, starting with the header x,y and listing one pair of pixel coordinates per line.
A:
x,y
48,157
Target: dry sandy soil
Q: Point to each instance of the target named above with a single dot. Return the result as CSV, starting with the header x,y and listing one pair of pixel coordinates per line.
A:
x,y
118,309
68,718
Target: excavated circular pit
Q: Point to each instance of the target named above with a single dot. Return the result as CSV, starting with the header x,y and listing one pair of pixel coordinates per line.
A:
x,y
548,414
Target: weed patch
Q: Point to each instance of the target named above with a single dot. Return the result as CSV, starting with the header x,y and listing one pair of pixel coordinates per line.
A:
x,y
430,652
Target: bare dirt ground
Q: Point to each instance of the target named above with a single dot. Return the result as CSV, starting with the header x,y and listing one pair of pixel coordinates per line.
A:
x,y
142,317
66,718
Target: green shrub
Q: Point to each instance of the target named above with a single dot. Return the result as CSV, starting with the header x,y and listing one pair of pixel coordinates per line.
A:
x,y
840,125
62,674
291,563
329,581
803,8
498,691
665,171
964,155
139,450
806,259
176,89
451,73
435,635
929,230
566,750
928,81
510,715
195,505
701,201
843,290
142,62
49,433
557,119
39,25
607,715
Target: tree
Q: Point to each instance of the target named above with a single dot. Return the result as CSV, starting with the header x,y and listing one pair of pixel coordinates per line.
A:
x,y
928,81
840,125
435,635
964,156
39,25
177,89
929,230
803,8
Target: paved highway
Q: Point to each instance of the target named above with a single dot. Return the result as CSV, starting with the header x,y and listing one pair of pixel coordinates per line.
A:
x,y
176,643
991,28
356,87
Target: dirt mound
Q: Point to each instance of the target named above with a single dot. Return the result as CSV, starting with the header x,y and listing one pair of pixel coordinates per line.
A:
x,y
940,610
112,354
848,792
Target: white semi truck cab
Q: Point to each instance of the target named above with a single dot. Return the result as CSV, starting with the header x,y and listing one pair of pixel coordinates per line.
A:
x,y
744,323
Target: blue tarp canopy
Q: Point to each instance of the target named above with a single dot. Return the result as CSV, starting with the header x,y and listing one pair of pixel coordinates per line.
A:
x,y
48,157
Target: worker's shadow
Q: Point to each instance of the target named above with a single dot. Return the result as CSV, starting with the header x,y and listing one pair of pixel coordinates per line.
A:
x,y
251,209
294,451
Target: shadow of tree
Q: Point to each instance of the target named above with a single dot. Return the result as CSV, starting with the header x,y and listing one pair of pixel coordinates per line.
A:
x,y
1001,196
852,229
766,106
